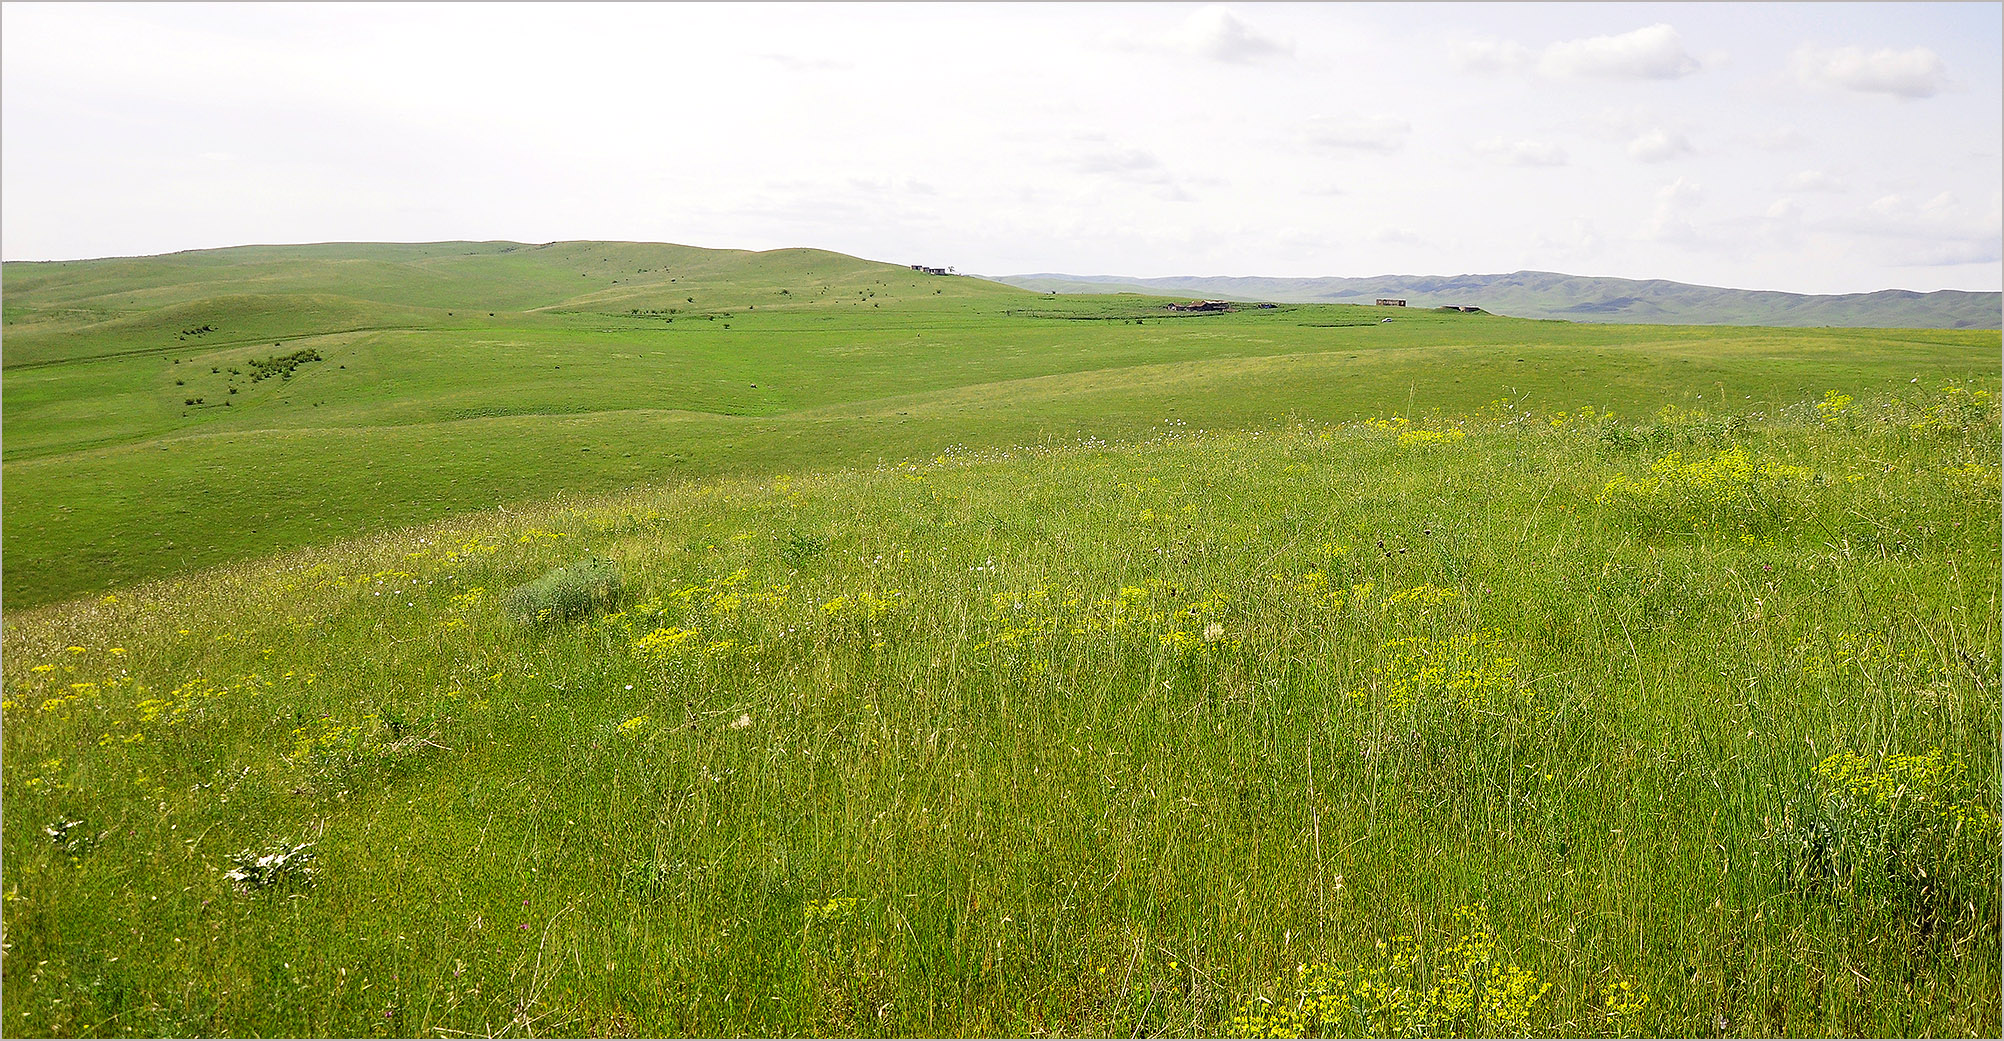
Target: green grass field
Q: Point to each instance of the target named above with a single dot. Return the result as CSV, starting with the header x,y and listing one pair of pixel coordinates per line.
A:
x,y
465,376
996,665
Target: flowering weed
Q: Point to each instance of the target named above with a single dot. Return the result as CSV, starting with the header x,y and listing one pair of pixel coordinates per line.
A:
x,y
1459,987
1906,831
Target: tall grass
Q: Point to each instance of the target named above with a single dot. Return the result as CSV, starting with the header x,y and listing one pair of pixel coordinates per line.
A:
x,y
1491,723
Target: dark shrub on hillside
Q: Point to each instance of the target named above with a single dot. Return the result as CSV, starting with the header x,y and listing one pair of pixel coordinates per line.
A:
x,y
566,593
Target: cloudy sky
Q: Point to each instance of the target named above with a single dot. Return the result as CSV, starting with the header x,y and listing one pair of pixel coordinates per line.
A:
x,y
1802,147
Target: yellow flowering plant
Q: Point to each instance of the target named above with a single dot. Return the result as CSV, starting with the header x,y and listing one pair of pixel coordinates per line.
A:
x,y
1460,988
1901,830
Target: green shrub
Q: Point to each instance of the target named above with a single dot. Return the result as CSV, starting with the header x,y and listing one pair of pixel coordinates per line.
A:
x,y
567,593
1908,833
796,549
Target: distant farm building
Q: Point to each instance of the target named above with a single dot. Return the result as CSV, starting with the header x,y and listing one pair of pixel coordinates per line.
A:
x,y
1385,301
1203,305
1463,308
922,269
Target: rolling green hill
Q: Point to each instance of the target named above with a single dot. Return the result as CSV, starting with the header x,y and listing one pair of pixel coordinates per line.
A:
x,y
1546,294
610,639
427,380
67,310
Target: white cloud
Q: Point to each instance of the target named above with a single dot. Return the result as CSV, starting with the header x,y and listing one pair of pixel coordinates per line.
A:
x,y
1949,253
1938,232
1611,122
1654,52
798,63
1892,207
1580,239
1491,55
1658,145
1782,139
1669,222
1944,205
1944,211
1681,193
1913,73
1523,153
1122,161
1812,181
1220,34
1781,227
1381,134
891,186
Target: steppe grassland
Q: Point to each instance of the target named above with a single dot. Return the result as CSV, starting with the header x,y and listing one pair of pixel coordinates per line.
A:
x,y
458,377
1498,720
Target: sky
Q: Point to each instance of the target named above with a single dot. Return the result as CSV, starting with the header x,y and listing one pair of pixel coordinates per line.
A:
x,y
1810,148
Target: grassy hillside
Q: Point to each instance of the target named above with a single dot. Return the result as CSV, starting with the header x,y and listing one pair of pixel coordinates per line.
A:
x,y
1549,295
67,310
1491,721
172,413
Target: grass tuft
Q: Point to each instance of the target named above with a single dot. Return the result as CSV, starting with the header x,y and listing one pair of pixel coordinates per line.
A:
x,y
567,593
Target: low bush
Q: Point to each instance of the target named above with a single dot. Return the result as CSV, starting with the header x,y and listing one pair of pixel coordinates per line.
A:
x,y
567,593
1908,835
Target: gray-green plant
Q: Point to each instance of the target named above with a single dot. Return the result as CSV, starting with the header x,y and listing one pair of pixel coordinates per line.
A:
x,y
567,593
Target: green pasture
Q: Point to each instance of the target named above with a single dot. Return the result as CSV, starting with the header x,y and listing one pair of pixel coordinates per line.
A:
x,y
611,639
461,376
1490,723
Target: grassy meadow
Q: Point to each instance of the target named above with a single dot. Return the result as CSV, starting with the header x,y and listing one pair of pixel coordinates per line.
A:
x,y
999,664
463,376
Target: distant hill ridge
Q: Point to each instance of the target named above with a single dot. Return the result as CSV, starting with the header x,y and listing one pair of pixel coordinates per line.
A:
x,y
1549,294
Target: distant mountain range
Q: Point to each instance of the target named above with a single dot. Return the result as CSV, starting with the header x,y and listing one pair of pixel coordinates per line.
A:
x,y
1547,294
